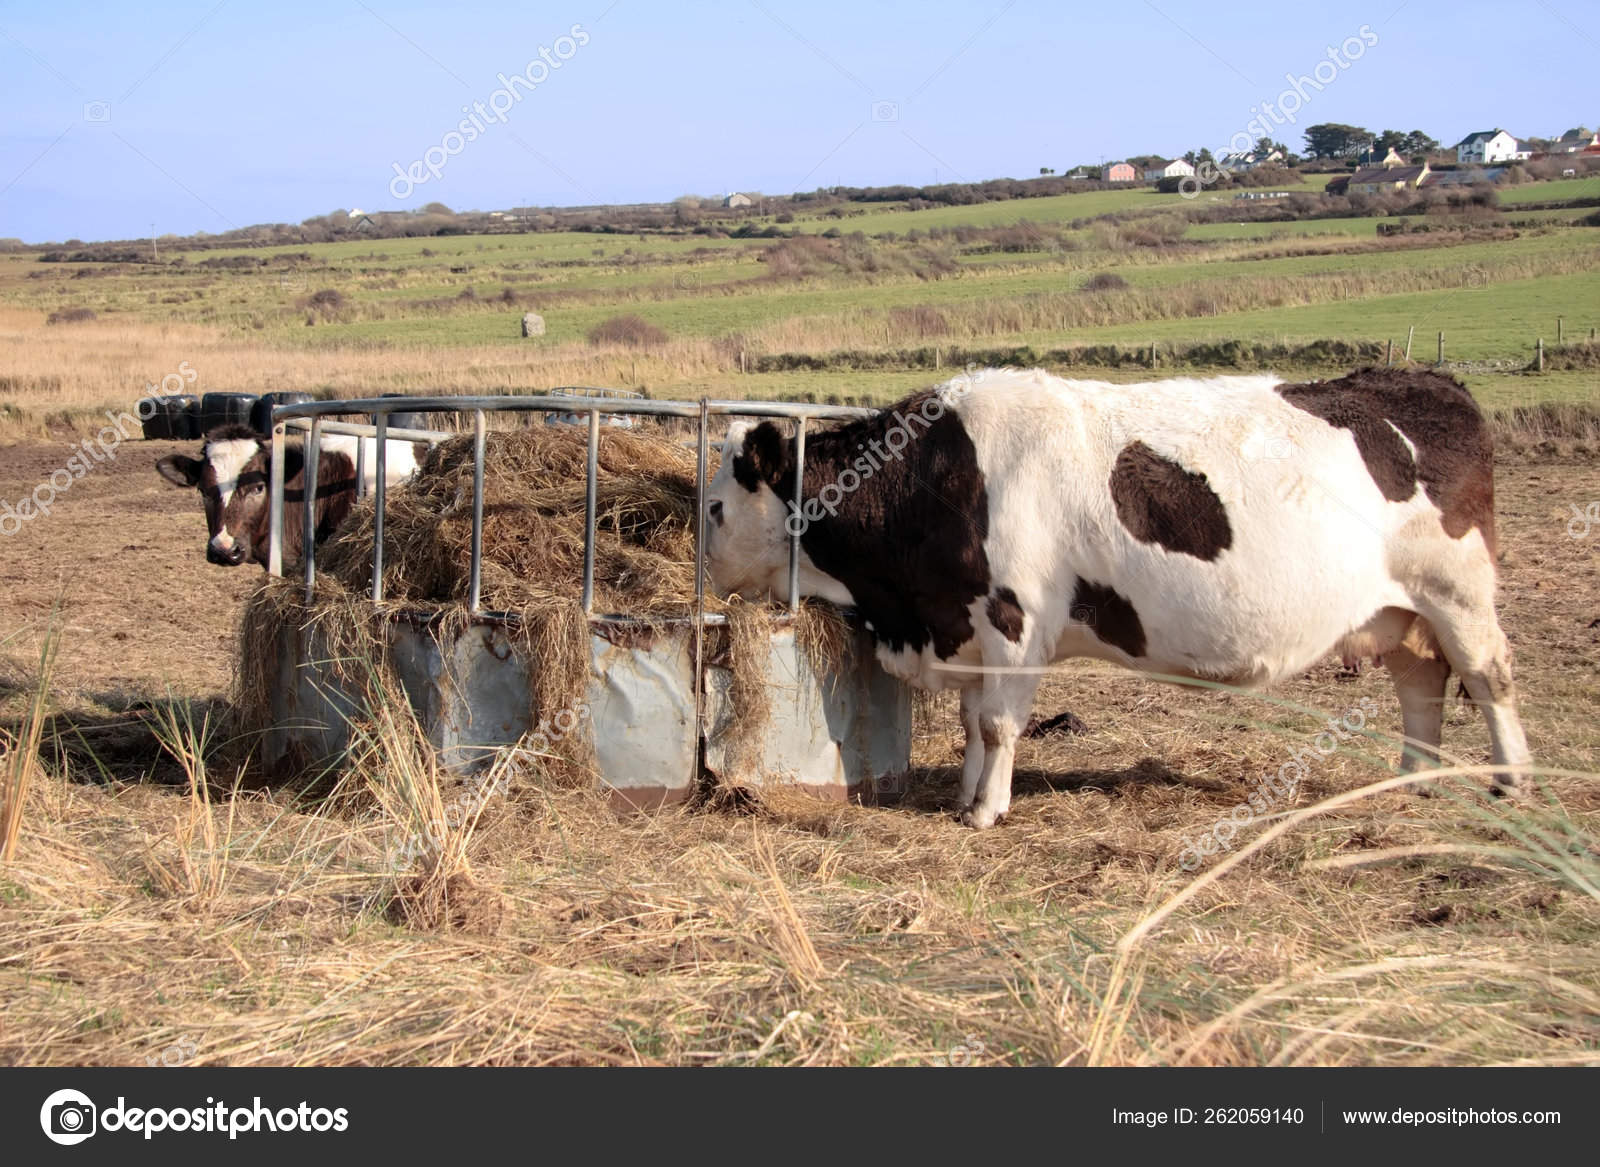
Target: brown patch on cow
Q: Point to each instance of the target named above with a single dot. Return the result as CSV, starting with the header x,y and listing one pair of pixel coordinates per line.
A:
x,y
1160,502
1113,618
1454,461
908,542
1006,614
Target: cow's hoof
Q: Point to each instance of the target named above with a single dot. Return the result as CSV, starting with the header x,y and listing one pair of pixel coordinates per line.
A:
x,y
1512,788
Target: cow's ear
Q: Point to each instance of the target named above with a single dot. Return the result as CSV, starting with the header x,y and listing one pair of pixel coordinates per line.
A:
x,y
180,469
760,457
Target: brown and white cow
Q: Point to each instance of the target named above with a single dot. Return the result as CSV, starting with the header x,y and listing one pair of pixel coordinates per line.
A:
x,y
232,477
1234,529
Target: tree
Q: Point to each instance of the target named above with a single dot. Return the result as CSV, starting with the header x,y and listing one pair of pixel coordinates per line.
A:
x,y
1043,170
1388,140
1336,140
437,209
1416,144
1265,146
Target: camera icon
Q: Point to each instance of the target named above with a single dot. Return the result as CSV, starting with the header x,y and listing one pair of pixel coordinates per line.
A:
x,y
885,111
888,785
1083,614
965,1053
97,111
68,1117
1273,446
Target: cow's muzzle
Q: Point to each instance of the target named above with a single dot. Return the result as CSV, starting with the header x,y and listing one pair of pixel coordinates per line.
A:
x,y
232,557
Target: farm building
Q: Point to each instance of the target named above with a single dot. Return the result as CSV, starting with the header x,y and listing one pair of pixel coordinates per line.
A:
x,y
1250,159
1121,172
1575,141
1177,168
1467,176
737,200
1486,146
1371,157
1376,179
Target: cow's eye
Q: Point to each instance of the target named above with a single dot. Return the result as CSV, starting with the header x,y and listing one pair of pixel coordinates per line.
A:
x,y
714,509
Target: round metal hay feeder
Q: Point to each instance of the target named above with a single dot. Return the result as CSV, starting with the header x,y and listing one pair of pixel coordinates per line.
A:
x,y
658,709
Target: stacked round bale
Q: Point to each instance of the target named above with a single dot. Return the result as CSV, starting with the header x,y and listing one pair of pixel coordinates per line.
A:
x,y
532,563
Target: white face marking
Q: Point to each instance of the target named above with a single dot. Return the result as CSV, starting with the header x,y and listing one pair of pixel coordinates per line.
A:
x,y
222,541
227,460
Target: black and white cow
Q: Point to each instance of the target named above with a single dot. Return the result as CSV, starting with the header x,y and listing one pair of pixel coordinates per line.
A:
x,y
232,477
1235,529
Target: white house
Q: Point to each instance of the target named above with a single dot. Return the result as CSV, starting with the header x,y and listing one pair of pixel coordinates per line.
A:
x,y
1488,146
736,200
1175,169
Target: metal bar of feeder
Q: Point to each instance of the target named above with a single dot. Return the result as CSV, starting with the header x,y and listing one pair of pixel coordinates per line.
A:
x,y
547,403
591,474
477,512
275,504
308,529
380,492
361,467
701,460
795,526
364,429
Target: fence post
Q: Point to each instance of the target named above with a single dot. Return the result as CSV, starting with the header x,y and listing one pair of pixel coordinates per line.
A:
x,y
1540,361
741,360
935,356
1441,346
1560,329
1388,356
1409,335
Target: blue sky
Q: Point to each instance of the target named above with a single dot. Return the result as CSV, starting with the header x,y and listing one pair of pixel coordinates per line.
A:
x,y
218,115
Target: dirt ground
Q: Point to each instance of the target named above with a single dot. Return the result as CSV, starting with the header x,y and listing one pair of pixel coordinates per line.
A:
x,y
123,551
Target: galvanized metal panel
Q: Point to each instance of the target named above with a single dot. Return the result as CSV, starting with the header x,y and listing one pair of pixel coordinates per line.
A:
x,y
833,735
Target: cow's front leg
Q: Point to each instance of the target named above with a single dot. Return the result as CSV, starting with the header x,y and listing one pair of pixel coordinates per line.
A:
x,y
1002,714
972,759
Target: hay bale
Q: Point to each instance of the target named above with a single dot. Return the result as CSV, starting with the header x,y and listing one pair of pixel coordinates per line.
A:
x,y
533,502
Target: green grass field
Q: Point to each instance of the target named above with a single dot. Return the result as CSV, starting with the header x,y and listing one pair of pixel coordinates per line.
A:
x,y
424,312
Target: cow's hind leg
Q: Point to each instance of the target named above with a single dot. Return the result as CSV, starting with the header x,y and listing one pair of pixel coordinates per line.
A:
x,y
1464,621
1419,681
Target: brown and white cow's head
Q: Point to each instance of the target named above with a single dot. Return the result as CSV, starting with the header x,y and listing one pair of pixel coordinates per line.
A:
x,y
231,475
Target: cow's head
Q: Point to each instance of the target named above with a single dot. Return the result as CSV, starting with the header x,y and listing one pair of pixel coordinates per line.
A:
x,y
747,542
231,475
